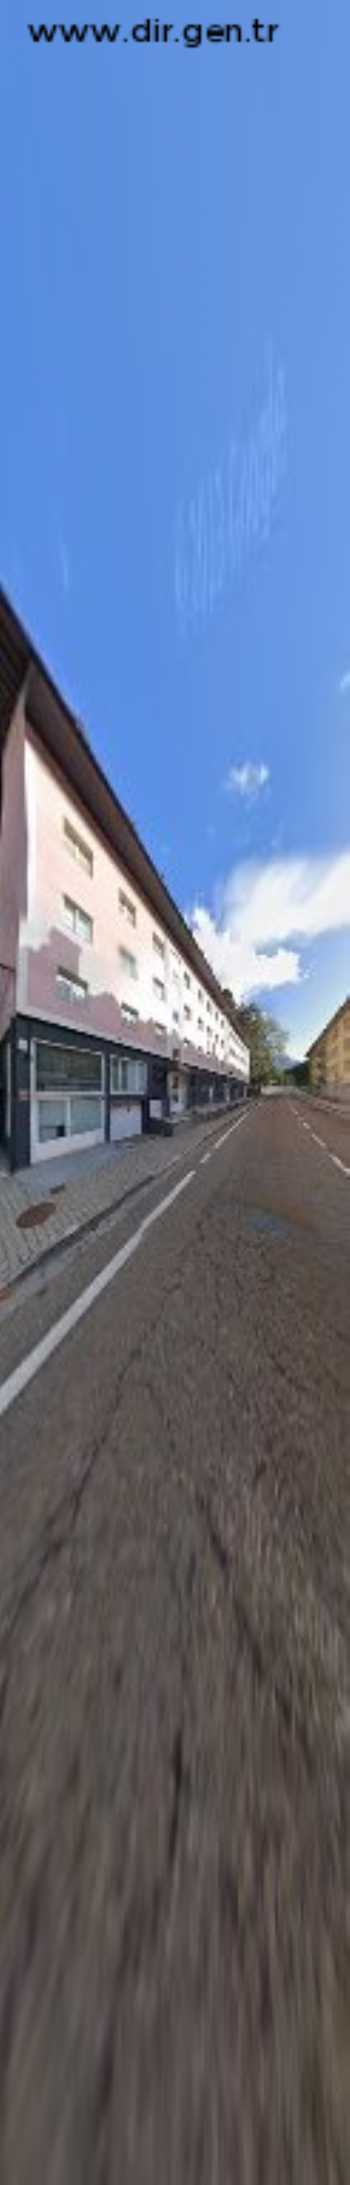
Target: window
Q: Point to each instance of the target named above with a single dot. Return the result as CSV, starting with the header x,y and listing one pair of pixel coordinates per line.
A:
x,y
72,988
158,945
75,1068
129,963
200,1024
127,908
187,981
77,920
159,1027
69,1093
131,1015
128,1074
77,847
175,1016
209,1007
159,988
187,1012
199,994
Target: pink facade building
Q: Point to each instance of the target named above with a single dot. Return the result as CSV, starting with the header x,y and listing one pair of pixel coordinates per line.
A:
x,y
110,1017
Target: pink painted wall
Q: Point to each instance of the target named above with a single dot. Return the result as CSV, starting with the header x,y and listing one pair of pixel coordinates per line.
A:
x,y
45,943
47,946
13,864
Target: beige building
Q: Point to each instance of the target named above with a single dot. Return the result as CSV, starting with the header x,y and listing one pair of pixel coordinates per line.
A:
x,y
329,1055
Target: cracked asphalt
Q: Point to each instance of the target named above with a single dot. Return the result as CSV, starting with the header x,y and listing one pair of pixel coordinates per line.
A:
x,y
175,1691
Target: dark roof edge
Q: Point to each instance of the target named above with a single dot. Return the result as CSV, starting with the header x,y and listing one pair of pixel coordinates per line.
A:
x,y
38,678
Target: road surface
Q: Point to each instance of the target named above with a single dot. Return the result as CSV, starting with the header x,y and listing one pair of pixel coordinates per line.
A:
x,y
175,1681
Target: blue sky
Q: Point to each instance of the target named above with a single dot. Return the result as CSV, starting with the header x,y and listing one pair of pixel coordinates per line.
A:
x,y
174,245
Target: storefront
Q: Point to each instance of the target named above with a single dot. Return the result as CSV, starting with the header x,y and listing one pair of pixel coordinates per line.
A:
x,y
67,1098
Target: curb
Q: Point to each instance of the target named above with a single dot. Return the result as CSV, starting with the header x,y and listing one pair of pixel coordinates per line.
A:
x,y
84,1229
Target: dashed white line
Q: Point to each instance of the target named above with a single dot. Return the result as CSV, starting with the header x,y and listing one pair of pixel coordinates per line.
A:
x,y
205,1157
335,1157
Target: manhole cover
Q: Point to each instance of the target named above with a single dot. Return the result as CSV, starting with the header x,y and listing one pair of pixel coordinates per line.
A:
x,y
270,1222
33,1215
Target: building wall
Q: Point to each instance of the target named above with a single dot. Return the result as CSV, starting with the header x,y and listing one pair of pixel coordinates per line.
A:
x,y
330,1058
13,864
47,948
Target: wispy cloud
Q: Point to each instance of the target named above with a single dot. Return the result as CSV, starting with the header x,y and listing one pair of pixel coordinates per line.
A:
x,y
247,780
344,682
265,915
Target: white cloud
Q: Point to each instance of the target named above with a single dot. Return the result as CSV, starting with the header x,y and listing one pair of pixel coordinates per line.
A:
x,y
265,914
344,682
245,781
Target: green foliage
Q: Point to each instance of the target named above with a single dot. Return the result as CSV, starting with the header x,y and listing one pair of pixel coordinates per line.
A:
x,y
266,1041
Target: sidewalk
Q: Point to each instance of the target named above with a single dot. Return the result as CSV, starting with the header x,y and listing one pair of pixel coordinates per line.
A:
x,y
42,1207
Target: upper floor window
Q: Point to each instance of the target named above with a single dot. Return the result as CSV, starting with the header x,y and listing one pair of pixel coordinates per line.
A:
x,y
209,1007
128,962
131,1015
127,908
159,988
77,920
187,1012
72,988
175,1016
77,847
159,1027
200,1024
158,945
187,980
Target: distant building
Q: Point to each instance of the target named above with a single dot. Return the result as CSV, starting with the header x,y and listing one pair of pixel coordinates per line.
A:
x,y
110,1016
329,1055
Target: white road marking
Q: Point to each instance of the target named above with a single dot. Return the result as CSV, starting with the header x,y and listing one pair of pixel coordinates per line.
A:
x,y
337,1163
37,1358
228,1133
30,1366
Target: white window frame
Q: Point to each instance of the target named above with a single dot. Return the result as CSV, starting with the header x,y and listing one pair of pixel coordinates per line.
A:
x,y
72,926
75,1141
128,962
127,908
77,847
68,979
138,1065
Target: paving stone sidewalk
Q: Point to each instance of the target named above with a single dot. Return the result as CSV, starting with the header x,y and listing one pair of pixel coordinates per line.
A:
x,y
61,1196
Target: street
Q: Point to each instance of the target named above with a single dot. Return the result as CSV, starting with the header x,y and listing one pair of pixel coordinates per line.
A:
x,y
175,1678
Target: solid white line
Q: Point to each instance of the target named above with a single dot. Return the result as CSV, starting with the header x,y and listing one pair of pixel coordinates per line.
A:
x,y
339,1164
205,1157
37,1358
318,1141
228,1133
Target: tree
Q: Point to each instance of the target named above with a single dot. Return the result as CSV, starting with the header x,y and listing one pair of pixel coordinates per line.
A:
x,y
265,1039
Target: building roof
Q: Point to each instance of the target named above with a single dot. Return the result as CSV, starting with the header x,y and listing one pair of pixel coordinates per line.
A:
x,y
343,1005
21,668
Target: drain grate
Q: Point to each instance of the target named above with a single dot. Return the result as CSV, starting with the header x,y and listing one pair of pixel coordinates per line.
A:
x,y
34,1215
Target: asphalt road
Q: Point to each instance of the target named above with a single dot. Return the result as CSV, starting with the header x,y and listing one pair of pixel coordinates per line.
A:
x,y
175,1687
